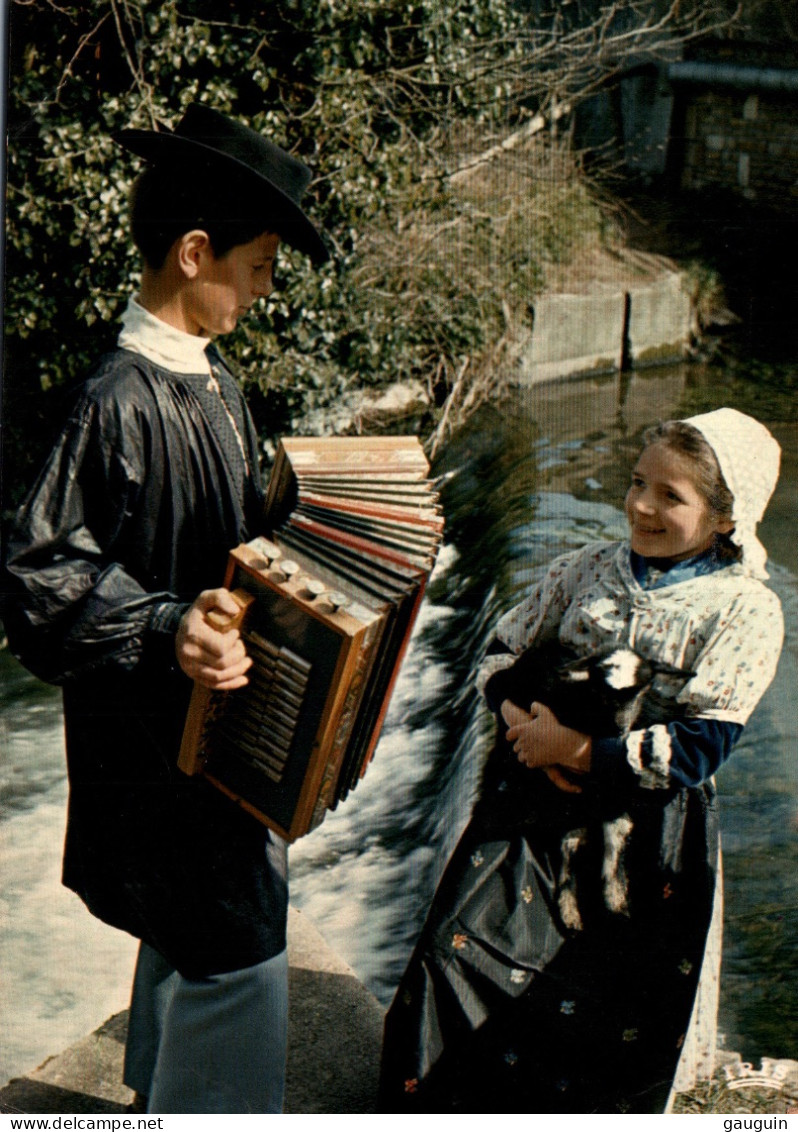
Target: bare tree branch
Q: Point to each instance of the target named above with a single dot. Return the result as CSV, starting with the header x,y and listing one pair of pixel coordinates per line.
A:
x,y
124,21
83,42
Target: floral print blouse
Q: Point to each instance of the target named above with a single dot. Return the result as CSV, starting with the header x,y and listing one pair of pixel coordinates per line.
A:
x,y
726,627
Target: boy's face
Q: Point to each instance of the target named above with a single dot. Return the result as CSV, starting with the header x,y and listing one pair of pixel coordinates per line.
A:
x,y
227,286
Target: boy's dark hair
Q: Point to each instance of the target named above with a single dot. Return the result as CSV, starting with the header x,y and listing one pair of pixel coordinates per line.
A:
x,y
168,200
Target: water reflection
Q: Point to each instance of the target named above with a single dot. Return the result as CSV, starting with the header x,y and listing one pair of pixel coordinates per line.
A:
x,y
544,471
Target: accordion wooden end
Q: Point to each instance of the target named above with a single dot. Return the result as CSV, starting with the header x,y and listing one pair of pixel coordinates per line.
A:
x,y
328,602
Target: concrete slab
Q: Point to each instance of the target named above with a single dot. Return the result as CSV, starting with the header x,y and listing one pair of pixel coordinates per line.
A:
x,y
334,1029
574,334
633,312
334,1040
660,321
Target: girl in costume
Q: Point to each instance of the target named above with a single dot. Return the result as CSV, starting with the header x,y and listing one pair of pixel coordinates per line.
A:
x,y
558,967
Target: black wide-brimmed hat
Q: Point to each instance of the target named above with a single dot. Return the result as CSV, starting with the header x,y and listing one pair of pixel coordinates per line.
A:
x,y
204,135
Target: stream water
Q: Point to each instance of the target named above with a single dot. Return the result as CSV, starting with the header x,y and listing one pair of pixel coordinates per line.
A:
x,y
543,471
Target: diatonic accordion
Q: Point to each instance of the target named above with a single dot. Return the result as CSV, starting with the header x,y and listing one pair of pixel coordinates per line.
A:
x,y
328,596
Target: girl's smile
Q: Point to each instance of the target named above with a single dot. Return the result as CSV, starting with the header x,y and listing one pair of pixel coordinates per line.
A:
x,y
668,516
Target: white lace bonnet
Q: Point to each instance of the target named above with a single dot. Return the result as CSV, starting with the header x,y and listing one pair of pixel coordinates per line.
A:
x,y
749,460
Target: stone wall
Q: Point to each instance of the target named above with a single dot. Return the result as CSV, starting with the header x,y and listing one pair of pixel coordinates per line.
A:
x,y
742,141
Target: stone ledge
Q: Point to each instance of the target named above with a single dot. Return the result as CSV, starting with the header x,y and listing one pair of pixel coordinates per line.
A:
x,y
334,1040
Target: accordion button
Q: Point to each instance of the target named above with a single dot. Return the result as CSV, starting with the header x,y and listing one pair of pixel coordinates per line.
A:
x,y
284,569
266,550
312,588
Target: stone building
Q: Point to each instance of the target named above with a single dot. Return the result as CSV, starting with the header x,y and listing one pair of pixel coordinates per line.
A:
x,y
735,127
725,119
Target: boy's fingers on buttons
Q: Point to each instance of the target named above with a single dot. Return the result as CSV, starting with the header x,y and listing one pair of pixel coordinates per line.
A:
x,y
222,679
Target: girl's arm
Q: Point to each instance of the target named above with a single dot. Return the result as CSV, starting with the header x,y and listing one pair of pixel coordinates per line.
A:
x,y
683,753
537,618
733,670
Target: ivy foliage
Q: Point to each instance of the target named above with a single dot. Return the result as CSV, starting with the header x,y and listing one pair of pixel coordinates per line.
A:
x,y
384,99
353,87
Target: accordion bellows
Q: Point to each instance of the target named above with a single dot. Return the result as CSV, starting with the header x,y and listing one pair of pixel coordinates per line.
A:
x,y
328,596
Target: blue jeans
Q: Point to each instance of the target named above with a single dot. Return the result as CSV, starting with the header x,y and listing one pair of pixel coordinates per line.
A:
x,y
214,1044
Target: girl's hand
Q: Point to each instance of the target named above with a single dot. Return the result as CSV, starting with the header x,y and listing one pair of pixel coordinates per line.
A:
x,y
540,740
560,781
214,659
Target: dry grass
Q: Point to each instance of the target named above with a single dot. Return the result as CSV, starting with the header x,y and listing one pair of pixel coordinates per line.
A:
x,y
452,272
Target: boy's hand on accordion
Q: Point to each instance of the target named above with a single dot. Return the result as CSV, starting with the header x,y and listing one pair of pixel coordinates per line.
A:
x,y
213,657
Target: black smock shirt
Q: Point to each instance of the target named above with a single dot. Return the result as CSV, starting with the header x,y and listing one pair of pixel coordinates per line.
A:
x,y
151,483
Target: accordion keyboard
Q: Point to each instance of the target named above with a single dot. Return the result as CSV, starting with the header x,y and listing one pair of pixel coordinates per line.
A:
x,y
258,724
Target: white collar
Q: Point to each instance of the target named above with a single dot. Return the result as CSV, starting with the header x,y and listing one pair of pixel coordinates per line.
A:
x,y
163,344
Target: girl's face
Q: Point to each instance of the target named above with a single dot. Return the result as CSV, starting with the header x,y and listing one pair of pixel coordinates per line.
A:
x,y
668,516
